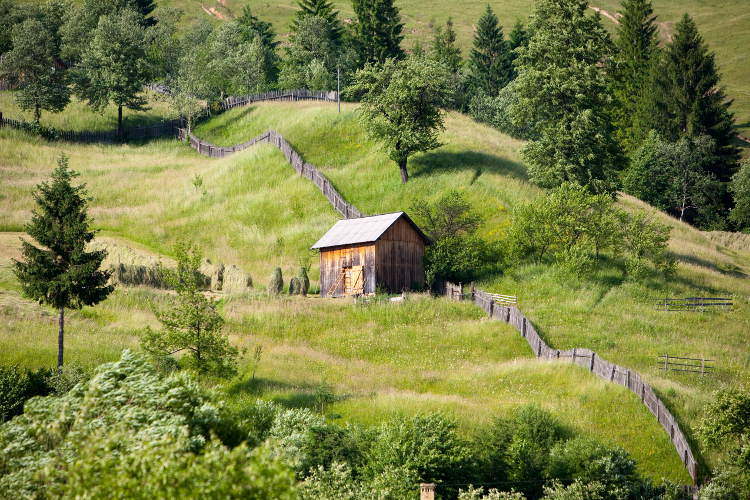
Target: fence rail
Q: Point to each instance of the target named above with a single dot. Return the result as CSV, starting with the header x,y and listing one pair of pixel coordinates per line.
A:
x,y
694,303
281,95
692,365
304,169
592,362
167,128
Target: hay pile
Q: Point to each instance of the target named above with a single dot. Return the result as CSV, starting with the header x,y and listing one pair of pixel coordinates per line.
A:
x,y
134,267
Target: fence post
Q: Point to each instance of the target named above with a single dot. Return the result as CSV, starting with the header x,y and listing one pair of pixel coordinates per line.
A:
x,y
575,349
427,491
593,354
523,332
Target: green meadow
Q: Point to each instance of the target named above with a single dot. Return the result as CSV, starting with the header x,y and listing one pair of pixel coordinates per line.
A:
x,y
380,358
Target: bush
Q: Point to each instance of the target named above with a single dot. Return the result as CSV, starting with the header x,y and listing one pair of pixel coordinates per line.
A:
x,y
494,111
18,386
740,189
493,494
276,286
428,446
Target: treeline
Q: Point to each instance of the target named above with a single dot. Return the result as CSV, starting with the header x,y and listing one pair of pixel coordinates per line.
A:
x,y
622,113
130,430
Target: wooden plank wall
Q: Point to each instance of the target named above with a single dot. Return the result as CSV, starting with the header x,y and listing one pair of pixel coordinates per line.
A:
x,y
399,255
333,260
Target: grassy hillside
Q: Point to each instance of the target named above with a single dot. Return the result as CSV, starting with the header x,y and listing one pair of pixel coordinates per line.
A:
x,y
715,20
615,317
380,359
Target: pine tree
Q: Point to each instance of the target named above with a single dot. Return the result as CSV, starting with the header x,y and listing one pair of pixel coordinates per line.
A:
x,y
636,50
519,37
258,27
689,100
322,8
562,93
377,32
145,8
490,60
60,272
31,66
444,48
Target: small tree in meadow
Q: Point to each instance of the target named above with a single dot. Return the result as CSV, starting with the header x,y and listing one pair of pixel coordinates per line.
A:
x,y
60,272
401,105
191,322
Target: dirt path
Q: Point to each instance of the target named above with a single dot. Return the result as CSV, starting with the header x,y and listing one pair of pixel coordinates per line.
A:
x,y
612,17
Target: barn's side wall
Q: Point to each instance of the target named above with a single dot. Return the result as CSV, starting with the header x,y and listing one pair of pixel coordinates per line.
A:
x,y
333,259
399,253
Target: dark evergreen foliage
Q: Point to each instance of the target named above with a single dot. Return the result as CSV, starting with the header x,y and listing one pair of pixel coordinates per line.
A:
x,y
378,31
490,59
258,27
689,99
636,51
324,9
444,48
60,272
146,8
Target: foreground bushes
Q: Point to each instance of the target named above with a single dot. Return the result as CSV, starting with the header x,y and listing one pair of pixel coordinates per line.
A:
x,y
131,432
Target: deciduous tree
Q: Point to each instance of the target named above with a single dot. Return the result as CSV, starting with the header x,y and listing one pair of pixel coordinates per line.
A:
x,y
114,66
31,66
320,8
60,272
401,105
563,94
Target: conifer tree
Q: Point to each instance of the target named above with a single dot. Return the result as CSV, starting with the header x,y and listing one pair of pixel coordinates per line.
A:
x,y
636,50
60,272
490,61
377,32
31,66
519,37
690,101
258,27
444,48
562,93
321,8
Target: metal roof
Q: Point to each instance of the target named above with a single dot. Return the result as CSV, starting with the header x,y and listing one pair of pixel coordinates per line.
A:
x,y
362,230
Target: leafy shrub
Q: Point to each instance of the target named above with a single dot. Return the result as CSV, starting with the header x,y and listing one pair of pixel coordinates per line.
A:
x,y
39,446
572,228
305,441
740,189
495,111
427,446
276,286
493,494
18,385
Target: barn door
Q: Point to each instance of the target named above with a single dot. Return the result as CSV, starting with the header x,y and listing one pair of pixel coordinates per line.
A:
x,y
354,280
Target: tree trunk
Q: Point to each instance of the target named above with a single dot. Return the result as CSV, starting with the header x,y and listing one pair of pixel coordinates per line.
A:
x,y
119,121
60,338
404,172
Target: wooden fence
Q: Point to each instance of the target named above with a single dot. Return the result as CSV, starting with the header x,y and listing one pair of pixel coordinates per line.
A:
x,y
281,95
682,364
169,128
595,364
304,169
694,303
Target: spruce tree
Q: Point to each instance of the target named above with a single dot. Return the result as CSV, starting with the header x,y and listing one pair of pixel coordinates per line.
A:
x,y
562,93
257,27
519,37
31,66
60,272
490,59
636,50
689,99
377,32
444,48
321,8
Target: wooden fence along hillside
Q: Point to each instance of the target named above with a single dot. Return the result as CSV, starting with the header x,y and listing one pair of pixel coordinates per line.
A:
x,y
281,95
592,362
307,170
167,128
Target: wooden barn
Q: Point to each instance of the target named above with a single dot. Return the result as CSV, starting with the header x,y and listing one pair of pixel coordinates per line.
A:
x,y
359,256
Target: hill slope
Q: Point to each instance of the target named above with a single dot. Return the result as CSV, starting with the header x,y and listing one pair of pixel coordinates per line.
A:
x,y
380,359
715,20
